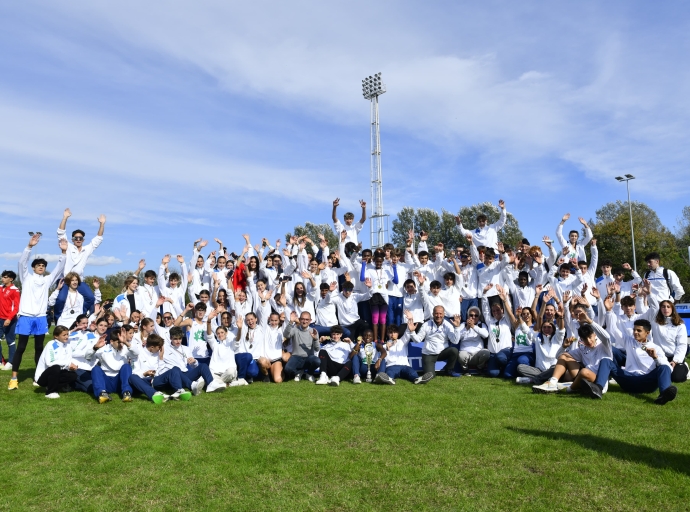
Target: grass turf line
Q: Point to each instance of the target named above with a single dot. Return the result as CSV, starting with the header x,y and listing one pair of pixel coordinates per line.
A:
x,y
454,444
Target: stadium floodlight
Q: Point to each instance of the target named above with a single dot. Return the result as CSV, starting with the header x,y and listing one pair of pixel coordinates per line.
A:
x,y
372,88
627,179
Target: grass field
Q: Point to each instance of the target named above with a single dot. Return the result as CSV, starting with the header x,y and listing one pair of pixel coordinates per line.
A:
x,y
454,444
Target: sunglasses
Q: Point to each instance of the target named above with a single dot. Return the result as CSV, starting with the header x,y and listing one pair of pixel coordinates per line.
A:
x,y
463,256
77,238
167,318
473,315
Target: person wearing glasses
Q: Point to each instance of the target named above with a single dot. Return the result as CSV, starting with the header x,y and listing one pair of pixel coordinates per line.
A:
x,y
75,261
471,335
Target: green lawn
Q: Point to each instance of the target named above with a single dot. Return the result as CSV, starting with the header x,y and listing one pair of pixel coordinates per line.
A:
x,y
454,444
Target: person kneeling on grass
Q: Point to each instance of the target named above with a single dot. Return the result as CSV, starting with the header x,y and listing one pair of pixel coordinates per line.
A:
x,y
55,370
111,370
336,357
223,366
394,355
583,362
144,376
194,375
646,366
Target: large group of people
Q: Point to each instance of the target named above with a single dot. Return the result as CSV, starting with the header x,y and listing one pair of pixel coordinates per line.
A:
x,y
301,310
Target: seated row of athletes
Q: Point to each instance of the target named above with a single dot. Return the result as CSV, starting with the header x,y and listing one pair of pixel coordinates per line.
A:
x,y
541,319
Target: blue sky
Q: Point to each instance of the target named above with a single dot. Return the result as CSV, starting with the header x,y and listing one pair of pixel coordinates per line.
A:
x,y
211,119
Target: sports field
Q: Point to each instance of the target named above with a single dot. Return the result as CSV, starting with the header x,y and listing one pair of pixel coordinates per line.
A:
x,y
455,444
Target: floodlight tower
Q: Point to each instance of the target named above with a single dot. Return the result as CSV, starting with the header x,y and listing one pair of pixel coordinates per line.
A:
x,y
372,88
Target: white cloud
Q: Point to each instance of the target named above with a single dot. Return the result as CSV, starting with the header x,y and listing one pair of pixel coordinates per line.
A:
x,y
577,85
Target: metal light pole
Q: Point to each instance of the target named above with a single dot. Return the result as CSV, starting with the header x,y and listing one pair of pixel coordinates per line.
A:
x,y
372,88
627,179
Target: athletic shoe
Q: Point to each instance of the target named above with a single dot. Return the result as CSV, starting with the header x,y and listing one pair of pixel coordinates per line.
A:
x,y
104,397
181,394
612,382
158,398
383,378
323,379
52,395
454,374
591,389
214,386
523,380
266,378
666,395
546,388
36,384
356,379
335,381
200,383
14,384
6,366
298,376
310,377
249,381
564,385
424,378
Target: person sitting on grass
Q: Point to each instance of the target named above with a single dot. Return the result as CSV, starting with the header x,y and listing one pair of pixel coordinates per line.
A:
x,y
582,362
194,375
471,337
395,362
305,347
82,339
55,370
646,366
112,375
500,336
144,376
548,345
438,336
336,357
523,350
196,332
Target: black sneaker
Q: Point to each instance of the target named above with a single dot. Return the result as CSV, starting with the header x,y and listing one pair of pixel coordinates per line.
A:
x,y
383,378
266,378
424,378
667,395
591,389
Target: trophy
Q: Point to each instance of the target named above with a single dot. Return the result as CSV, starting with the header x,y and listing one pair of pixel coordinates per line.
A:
x,y
368,357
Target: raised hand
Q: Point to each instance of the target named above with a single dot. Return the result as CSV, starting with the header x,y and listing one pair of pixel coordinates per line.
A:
x,y
408,315
60,284
583,222
608,303
96,283
410,234
203,244
501,204
62,244
180,259
488,287
456,321
546,240
333,286
246,239
593,242
336,201
468,237
257,247
458,220
595,293
362,203
239,322
34,240
101,219
217,240
423,236
565,217
142,264
293,317
166,259
367,282
627,266
67,213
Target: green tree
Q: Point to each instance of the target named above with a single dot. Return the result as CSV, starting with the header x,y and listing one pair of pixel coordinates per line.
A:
x,y
611,228
313,231
442,228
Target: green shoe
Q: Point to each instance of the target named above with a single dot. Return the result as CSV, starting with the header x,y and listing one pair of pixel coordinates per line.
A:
x,y
158,398
187,395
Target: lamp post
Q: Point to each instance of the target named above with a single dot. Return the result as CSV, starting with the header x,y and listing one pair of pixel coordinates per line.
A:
x,y
372,88
627,179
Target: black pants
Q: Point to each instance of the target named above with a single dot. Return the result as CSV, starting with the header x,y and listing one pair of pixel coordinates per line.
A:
x,y
333,369
450,355
21,347
54,378
357,329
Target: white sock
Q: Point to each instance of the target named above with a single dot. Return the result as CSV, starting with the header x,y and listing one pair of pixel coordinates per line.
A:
x,y
553,380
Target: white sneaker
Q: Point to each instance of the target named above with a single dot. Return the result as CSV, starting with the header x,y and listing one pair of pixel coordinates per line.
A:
x,y
612,382
523,380
298,376
6,366
356,379
310,377
383,378
235,383
176,394
547,387
52,395
335,381
36,384
323,379
214,386
200,382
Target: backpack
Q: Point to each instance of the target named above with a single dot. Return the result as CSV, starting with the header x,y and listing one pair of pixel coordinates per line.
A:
x,y
666,278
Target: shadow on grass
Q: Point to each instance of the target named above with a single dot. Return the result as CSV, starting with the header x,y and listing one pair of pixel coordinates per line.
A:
x,y
652,457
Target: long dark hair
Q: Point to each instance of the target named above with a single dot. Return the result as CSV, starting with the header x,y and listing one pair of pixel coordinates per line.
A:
x,y
675,317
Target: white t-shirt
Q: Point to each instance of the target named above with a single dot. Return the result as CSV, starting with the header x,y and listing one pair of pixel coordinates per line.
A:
x,y
352,231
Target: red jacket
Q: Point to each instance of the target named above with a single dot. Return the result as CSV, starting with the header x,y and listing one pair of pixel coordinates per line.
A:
x,y
9,302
